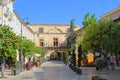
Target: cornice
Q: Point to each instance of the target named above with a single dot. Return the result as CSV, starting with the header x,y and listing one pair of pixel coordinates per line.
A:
x,y
51,24
111,12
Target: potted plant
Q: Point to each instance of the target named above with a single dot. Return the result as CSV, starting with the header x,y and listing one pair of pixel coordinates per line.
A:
x,y
9,19
74,59
5,14
100,63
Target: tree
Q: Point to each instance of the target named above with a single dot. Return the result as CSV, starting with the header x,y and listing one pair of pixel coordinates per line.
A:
x,y
8,44
79,55
72,36
101,36
90,26
110,36
74,57
65,57
79,40
89,20
39,50
29,48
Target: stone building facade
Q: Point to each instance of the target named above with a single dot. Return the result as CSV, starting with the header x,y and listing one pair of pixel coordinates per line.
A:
x,y
53,37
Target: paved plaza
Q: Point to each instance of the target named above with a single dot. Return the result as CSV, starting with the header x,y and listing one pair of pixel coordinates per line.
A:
x,y
56,70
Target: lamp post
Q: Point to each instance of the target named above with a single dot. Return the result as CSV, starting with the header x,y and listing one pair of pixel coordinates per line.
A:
x,y
20,63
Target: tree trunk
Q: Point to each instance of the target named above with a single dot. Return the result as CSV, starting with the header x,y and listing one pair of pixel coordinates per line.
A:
x,y
117,59
24,63
2,72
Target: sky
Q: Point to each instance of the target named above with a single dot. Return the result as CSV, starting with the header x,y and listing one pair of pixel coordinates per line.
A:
x,y
62,11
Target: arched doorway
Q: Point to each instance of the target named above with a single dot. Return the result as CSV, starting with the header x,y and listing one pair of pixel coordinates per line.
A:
x,y
54,56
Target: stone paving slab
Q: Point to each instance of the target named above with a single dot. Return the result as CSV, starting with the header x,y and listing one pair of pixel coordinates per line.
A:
x,y
53,70
26,75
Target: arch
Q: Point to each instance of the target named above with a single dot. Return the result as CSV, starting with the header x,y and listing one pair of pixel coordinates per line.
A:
x,y
55,56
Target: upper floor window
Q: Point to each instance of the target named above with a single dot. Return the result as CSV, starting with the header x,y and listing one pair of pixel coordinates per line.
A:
x,y
40,30
41,42
55,41
11,15
68,29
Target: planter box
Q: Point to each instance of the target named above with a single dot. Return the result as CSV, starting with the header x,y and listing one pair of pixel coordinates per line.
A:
x,y
97,78
14,72
74,68
79,71
37,64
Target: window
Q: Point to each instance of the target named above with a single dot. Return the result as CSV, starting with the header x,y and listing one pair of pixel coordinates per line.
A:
x,y
11,15
40,30
7,10
55,41
68,29
41,42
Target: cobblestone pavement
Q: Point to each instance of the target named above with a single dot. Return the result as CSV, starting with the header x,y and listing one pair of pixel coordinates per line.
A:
x,y
55,70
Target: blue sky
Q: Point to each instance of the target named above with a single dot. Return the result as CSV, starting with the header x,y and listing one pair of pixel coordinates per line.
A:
x,y
62,11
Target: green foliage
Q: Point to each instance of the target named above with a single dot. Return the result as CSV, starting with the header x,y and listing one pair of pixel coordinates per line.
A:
x,y
29,48
101,63
65,56
100,35
90,24
73,57
79,40
8,42
72,47
41,51
88,20
79,55
72,36
38,50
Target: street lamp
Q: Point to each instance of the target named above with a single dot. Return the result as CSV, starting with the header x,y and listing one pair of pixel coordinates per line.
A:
x,y
20,54
3,3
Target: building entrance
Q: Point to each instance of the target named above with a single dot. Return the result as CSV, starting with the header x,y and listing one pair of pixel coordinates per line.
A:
x,y
55,56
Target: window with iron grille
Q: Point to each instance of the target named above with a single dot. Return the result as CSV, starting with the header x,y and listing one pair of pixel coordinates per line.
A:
x,y
55,41
40,30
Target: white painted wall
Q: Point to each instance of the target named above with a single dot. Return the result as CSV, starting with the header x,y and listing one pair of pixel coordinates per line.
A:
x,y
15,22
